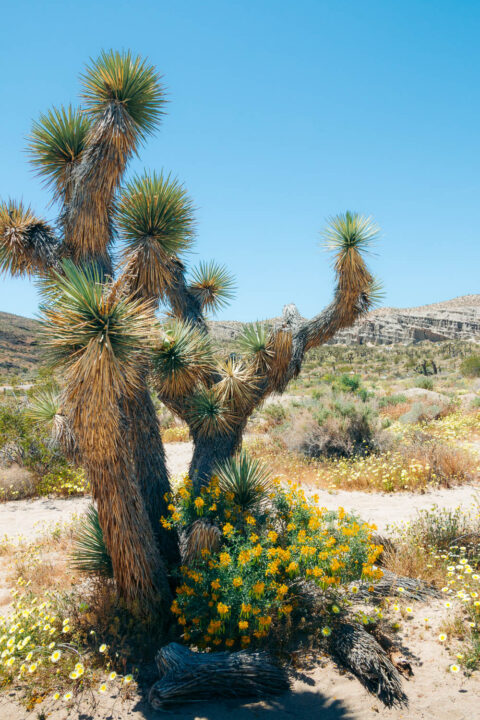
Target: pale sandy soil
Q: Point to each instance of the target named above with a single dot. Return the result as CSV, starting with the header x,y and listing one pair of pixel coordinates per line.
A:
x,y
321,691
28,517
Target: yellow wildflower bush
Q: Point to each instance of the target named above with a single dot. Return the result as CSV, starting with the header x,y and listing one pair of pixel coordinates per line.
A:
x,y
248,589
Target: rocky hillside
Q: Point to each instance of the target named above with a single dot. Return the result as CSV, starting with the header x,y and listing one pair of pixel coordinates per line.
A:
x,y
19,348
457,319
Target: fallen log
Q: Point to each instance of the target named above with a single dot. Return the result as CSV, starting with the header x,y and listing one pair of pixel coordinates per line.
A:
x,y
392,584
187,676
357,650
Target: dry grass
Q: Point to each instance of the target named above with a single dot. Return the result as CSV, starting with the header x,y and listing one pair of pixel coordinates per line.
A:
x,y
16,483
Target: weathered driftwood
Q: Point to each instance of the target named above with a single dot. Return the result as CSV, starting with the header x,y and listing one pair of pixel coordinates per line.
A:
x,y
390,583
187,676
360,652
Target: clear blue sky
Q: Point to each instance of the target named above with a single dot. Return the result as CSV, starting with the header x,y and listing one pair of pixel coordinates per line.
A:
x,y
281,113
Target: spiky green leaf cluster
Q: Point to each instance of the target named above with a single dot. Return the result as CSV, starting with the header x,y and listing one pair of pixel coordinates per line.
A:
x,y
81,309
181,360
156,208
208,415
253,339
128,82
247,478
56,143
90,554
350,230
44,405
213,285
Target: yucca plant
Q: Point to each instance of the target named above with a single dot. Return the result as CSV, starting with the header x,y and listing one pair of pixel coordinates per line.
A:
x,y
89,554
100,324
249,480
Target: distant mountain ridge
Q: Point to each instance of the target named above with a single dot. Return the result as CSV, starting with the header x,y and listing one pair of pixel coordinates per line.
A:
x,y
456,319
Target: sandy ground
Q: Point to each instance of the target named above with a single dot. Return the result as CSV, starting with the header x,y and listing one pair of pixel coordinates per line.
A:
x,y
28,517
322,690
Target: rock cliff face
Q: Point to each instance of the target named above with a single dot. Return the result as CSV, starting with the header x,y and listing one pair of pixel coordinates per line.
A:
x,y
457,319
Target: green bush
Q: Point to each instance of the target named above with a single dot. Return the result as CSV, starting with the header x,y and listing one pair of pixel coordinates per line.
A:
x,y
391,400
425,383
470,366
348,383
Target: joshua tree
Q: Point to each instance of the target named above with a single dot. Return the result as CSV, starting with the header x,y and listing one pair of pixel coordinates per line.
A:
x,y
99,315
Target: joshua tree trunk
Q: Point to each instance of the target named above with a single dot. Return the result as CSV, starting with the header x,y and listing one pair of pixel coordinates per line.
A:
x,y
211,451
151,469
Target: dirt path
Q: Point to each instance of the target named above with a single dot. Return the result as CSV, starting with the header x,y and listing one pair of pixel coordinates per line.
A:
x,y
26,518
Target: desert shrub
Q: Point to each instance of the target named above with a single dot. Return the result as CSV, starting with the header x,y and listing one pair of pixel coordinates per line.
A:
x,y
391,401
439,529
22,441
348,383
347,429
275,414
425,383
448,464
423,413
247,591
443,546
470,366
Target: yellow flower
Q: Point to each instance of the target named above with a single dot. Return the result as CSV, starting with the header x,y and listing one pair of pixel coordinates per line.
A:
x,y
127,679
228,529
253,537
55,657
250,520
215,584
229,642
32,668
326,631
56,696
442,637
103,688
258,589
199,503
237,582
225,559
68,696
243,624
223,609
454,668
112,675
102,648
73,675
272,536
